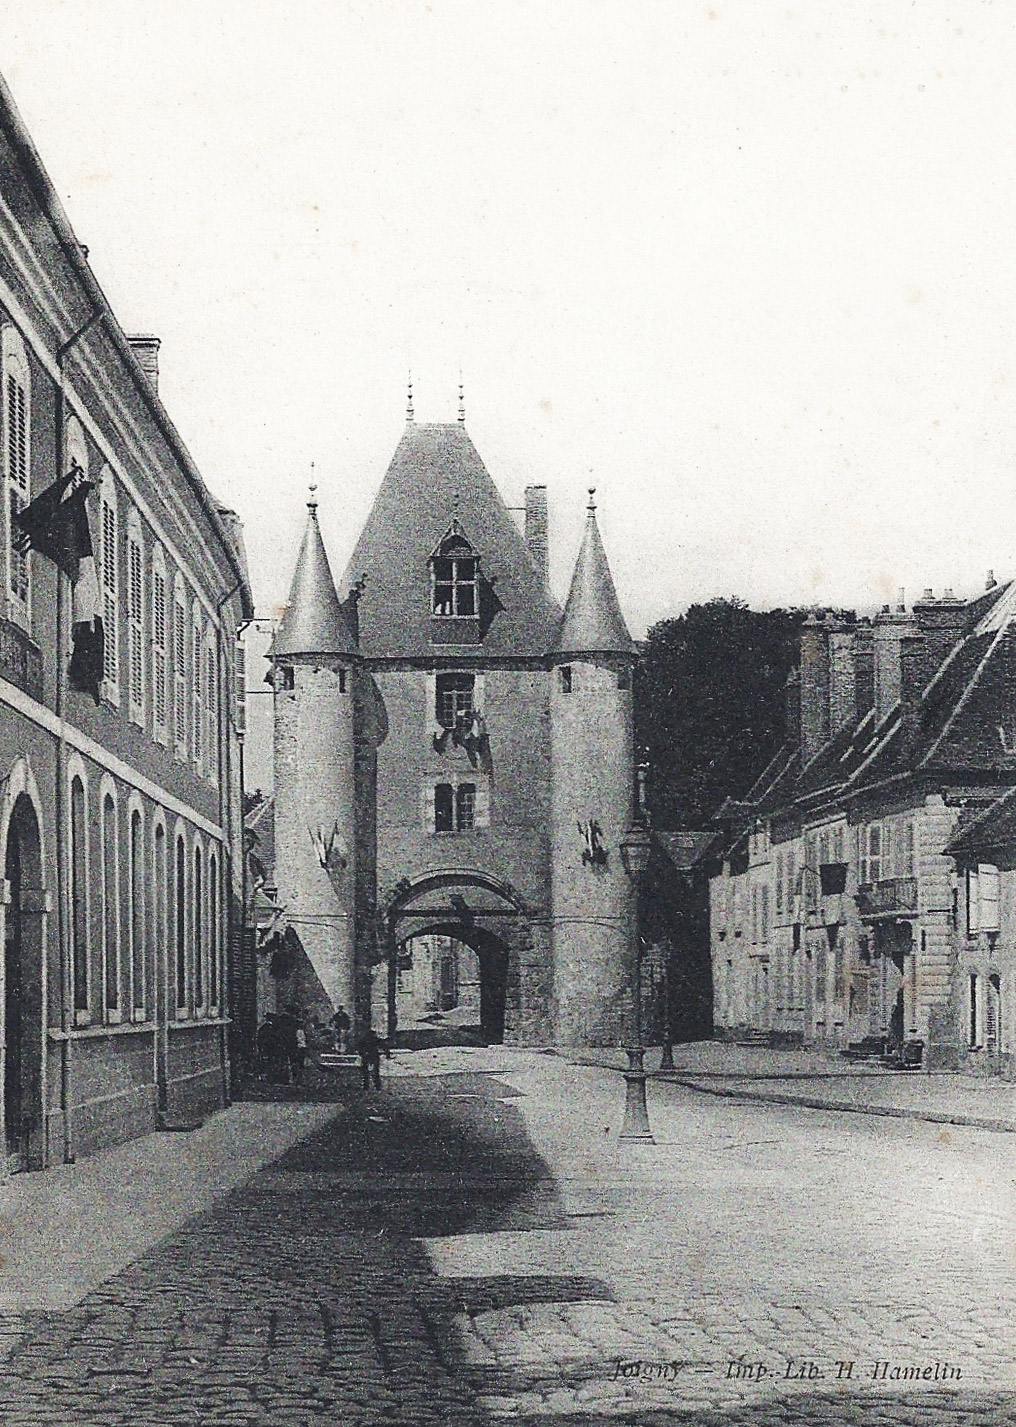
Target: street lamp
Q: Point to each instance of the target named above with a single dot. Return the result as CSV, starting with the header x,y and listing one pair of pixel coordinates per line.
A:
x,y
635,847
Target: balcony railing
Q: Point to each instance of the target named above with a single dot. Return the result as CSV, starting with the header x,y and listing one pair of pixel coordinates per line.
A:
x,y
895,896
20,659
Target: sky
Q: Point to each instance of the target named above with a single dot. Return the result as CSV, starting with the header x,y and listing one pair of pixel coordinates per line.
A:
x,y
745,267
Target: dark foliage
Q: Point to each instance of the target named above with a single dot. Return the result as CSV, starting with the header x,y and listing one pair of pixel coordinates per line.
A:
x,y
709,706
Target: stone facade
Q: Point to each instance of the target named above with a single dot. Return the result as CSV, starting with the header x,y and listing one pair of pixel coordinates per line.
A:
x,y
839,912
488,795
119,805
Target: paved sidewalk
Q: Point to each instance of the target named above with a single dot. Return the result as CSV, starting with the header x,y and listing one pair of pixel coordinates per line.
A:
x,y
68,1229
823,1082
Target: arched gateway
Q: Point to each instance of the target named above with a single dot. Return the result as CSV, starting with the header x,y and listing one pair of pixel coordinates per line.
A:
x,y
453,755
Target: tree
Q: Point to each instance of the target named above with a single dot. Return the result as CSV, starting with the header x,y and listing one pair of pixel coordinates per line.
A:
x,y
709,705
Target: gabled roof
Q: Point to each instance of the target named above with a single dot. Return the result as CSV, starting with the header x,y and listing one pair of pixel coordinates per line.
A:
x,y
313,622
593,622
960,722
436,477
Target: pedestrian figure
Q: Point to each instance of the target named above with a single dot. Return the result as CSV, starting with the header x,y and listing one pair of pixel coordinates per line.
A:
x,y
271,1047
342,1023
370,1046
292,1034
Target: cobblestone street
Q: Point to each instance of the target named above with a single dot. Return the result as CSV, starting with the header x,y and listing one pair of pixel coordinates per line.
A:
x,y
473,1246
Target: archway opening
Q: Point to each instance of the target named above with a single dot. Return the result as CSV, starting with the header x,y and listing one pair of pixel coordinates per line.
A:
x,y
22,981
450,988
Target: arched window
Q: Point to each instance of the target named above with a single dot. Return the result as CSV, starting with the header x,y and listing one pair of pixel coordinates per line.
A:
x,y
180,928
17,409
138,921
79,899
197,687
198,913
180,690
135,620
109,562
160,647
109,845
160,967
213,932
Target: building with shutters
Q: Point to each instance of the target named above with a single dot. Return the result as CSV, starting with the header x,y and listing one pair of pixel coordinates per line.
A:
x,y
119,785
453,759
862,899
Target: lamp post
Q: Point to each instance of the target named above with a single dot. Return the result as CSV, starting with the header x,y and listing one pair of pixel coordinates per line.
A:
x,y
667,1057
635,846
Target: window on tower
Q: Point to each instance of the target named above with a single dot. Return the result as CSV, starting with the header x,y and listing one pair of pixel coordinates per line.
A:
x,y
454,577
453,698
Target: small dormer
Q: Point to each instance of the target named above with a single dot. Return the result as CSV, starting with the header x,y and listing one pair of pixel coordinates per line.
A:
x,y
454,590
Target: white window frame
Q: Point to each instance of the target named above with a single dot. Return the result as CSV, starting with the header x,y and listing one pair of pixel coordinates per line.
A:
x,y
112,939
199,924
17,468
138,919
214,894
76,773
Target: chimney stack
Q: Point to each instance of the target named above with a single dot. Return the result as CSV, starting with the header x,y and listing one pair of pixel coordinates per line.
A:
x,y
146,349
536,529
814,687
891,628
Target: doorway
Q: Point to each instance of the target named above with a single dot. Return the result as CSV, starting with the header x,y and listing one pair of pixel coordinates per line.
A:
x,y
22,1040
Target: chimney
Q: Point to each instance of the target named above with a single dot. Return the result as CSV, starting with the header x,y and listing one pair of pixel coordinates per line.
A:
x,y
942,622
792,708
146,349
814,687
842,680
536,529
891,627
913,668
864,668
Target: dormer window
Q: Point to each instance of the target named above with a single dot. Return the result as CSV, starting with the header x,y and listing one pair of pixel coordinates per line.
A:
x,y
454,577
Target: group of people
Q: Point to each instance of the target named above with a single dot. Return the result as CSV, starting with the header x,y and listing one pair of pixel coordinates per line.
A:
x,y
287,1039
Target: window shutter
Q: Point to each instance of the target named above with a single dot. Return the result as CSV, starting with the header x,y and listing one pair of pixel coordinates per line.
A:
x,y
135,631
482,806
987,887
159,646
479,691
430,720
427,807
110,583
180,675
973,904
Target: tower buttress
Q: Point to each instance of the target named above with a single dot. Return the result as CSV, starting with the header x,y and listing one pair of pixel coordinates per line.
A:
x,y
314,666
592,778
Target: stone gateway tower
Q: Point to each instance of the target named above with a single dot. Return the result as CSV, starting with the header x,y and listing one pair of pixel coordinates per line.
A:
x,y
454,763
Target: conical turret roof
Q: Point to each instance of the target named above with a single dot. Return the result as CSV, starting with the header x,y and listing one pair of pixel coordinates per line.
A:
x,y
593,622
313,622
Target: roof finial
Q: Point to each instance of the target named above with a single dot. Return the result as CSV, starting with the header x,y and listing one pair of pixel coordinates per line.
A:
x,y
462,402
592,504
409,403
312,503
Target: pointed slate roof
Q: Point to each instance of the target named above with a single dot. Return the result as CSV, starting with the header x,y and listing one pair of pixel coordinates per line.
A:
x,y
593,622
313,622
436,478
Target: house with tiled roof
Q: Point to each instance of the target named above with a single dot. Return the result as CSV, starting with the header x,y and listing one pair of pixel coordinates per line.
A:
x,y
845,910
453,757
